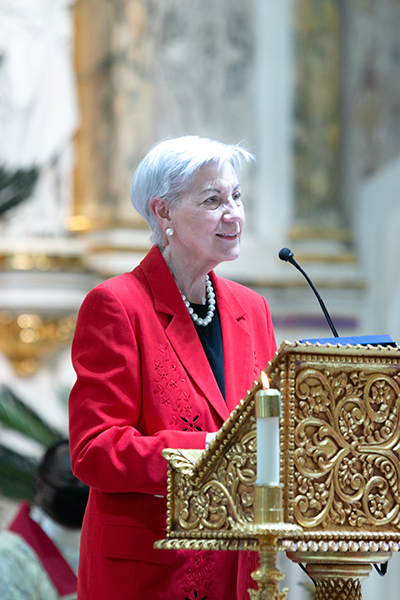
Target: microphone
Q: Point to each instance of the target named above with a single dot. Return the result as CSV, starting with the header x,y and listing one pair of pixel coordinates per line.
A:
x,y
287,255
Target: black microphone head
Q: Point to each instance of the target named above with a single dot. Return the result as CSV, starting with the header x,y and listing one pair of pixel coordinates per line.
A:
x,y
285,254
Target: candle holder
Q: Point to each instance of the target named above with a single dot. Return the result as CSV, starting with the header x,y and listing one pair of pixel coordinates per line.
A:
x,y
268,529
268,526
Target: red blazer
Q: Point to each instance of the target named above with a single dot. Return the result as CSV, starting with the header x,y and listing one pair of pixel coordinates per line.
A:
x,y
145,384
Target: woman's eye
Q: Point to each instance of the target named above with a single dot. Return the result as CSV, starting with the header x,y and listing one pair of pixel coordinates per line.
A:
x,y
237,198
212,200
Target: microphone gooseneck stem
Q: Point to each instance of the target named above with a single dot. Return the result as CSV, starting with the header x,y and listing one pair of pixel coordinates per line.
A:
x,y
314,289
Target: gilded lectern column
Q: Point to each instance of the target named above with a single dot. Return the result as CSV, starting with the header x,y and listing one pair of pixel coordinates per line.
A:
x,y
269,525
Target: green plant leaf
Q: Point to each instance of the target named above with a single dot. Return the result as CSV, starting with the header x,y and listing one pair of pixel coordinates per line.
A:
x,y
16,186
17,475
15,414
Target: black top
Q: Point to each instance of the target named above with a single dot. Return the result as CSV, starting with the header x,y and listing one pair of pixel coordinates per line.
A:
x,y
211,339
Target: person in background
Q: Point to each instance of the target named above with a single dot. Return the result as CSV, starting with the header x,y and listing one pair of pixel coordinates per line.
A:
x,y
163,355
39,550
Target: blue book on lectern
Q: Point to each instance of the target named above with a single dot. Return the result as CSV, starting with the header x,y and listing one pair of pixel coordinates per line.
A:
x,y
354,340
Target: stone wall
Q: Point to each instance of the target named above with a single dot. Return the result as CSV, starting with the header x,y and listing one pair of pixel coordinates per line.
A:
x,y
371,91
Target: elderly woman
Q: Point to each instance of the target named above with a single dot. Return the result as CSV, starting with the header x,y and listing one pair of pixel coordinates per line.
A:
x,y
163,355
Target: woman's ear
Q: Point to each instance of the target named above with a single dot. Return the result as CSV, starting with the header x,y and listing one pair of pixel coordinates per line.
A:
x,y
161,211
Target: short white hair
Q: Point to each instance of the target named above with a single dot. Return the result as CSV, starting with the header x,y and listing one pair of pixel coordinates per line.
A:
x,y
168,168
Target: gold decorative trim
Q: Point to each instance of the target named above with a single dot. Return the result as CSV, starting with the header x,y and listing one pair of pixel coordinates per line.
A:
x,y
340,545
204,544
38,261
27,338
83,224
319,233
324,257
108,248
295,282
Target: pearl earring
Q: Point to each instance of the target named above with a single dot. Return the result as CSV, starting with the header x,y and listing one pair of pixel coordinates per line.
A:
x,y
169,231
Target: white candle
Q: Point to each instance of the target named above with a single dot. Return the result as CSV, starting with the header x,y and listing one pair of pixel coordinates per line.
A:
x,y
268,411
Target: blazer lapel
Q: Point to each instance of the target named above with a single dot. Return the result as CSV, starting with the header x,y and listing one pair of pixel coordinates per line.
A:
x,y
181,331
237,343
186,343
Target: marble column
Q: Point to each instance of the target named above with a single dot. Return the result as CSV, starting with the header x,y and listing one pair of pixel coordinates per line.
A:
x,y
371,84
273,100
159,69
317,138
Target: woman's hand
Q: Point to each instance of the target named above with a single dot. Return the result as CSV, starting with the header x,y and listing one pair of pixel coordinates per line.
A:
x,y
209,438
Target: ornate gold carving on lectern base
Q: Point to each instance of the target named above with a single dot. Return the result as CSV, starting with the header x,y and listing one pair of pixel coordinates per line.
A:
x,y
339,575
340,470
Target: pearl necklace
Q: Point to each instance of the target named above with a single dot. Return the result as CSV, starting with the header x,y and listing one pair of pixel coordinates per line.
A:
x,y
211,305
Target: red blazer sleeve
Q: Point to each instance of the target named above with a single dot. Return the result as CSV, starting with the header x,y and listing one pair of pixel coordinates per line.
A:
x,y
107,450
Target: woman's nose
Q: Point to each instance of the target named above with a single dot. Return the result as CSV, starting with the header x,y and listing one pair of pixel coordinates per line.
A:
x,y
233,212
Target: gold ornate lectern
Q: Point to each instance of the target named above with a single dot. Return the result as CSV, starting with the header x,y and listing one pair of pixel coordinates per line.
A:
x,y
339,472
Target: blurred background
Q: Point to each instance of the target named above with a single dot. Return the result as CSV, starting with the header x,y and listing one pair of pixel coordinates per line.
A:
x,y
312,87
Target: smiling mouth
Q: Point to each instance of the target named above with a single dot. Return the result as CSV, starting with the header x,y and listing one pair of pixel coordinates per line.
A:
x,y
228,235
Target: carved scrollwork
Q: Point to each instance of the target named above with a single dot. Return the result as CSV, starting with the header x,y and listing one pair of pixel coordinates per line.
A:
x,y
226,497
181,460
347,448
340,460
